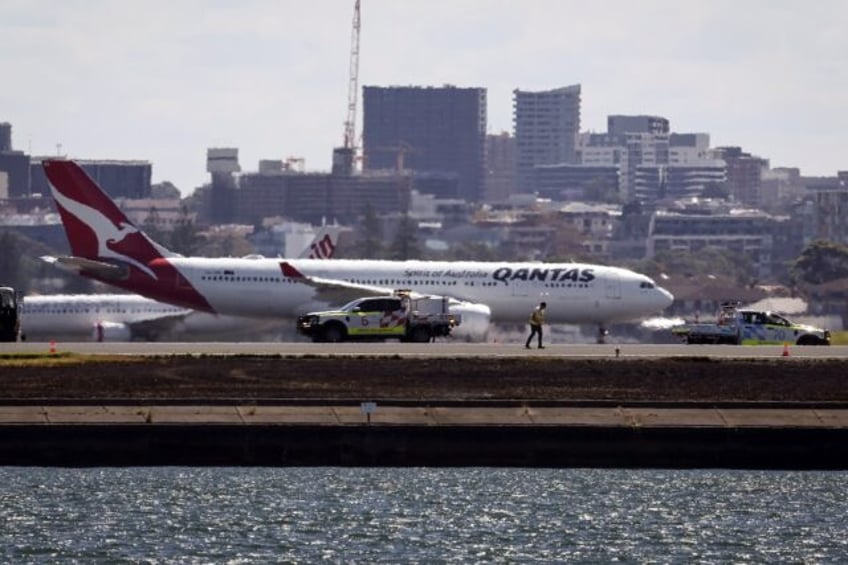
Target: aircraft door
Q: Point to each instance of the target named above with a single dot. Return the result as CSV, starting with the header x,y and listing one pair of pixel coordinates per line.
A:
x,y
613,286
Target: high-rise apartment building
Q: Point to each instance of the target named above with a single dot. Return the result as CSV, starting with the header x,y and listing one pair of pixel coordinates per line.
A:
x,y
14,166
546,124
500,167
638,145
640,156
691,171
831,207
427,129
744,174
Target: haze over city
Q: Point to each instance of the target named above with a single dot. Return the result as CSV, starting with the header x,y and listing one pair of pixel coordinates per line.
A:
x,y
163,81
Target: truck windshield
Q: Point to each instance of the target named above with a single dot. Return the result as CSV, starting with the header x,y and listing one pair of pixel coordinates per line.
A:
x,y
351,305
7,299
778,320
377,304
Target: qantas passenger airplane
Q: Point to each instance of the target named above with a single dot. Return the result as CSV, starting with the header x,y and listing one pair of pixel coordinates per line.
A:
x,y
107,247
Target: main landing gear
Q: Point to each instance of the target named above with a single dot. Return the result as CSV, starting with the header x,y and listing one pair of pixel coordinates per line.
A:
x,y
602,334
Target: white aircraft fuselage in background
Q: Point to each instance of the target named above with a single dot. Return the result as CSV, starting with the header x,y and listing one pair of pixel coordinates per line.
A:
x,y
106,246
122,317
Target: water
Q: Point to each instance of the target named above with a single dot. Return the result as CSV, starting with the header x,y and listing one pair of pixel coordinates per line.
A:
x,y
259,515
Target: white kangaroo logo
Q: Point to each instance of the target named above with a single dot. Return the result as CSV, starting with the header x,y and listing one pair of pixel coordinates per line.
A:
x,y
104,229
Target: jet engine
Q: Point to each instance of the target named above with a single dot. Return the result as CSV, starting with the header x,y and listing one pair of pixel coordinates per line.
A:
x,y
111,331
474,320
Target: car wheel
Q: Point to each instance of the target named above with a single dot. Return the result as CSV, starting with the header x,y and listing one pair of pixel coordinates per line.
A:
x,y
333,333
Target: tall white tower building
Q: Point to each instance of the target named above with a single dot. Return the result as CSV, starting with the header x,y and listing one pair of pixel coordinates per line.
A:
x,y
547,124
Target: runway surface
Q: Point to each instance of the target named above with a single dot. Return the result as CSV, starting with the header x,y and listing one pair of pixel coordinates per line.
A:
x,y
443,349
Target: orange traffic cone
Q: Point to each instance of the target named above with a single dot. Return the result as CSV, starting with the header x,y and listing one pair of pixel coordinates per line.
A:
x,y
53,346
785,349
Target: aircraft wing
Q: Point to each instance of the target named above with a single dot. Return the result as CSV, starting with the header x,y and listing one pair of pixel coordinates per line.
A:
x,y
335,291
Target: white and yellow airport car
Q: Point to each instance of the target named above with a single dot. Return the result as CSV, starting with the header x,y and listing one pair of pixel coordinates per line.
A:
x,y
400,316
752,327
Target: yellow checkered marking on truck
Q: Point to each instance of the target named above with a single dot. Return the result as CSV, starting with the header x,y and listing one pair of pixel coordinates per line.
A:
x,y
390,324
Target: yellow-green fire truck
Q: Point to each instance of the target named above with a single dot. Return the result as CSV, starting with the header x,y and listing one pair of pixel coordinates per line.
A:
x,y
402,315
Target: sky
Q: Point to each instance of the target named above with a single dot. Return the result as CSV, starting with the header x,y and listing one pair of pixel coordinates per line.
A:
x,y
163,80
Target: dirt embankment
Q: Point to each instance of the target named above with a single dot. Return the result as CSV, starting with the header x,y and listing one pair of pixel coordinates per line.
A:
x,y
356,378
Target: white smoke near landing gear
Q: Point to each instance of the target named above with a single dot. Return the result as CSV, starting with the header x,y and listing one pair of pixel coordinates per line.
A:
x,y
474,321
659,323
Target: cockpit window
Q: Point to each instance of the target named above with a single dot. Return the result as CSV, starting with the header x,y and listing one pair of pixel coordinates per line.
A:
x,y
646,284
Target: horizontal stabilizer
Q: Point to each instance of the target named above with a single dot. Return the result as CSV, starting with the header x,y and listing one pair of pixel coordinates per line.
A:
x,y
102,269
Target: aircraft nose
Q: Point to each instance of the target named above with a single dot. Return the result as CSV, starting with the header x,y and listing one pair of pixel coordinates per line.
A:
x,y
664,298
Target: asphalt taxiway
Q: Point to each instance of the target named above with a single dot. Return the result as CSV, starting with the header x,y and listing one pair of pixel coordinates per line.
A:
x,y
432,350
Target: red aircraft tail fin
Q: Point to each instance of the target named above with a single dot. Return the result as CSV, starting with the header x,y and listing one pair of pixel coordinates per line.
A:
x,y
95,226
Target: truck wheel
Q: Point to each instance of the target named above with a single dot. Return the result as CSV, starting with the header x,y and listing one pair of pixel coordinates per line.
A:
x,y
333,333
420,334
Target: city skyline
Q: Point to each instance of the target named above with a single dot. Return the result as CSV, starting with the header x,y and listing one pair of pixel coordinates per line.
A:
x,y
163,82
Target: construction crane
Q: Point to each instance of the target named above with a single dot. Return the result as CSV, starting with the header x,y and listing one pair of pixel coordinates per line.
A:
x,y
353,82
344,157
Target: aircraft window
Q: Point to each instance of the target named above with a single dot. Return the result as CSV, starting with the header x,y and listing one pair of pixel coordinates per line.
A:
x,y
646,284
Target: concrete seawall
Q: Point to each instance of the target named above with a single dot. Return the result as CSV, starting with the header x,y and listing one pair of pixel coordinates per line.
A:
x,y
571,435
487,411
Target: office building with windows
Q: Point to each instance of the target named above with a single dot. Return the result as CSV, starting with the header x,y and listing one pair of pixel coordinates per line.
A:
x,y
546,125
427,130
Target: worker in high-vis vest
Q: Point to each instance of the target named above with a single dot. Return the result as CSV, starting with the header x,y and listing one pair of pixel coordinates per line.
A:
x,y
537,318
